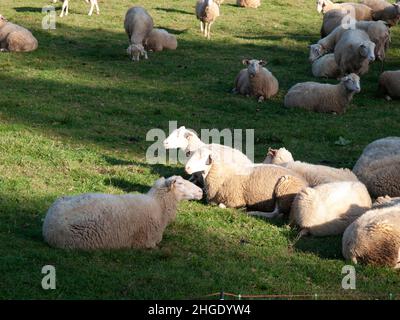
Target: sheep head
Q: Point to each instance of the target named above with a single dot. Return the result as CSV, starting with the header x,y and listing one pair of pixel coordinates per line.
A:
x,y
135,51
316,52
352,83
200,161
179,139
367,50
3,20
253,66
320,6
183,189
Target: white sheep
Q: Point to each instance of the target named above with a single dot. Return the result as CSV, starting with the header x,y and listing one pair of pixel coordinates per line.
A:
x,y
328,209
248,3
138,25
103,221
15,38
379,167
325,67
256,80
65,7
312,173
389,84
265,188
374,238
320,97
207,11
160,39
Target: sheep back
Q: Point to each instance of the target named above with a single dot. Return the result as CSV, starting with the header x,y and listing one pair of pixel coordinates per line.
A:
x,y
138,24
264,84
16,38
389,83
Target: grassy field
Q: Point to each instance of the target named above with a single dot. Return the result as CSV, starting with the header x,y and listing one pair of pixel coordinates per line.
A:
x,y
74,116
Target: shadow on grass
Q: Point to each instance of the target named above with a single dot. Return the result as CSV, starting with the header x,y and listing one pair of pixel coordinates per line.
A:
x,y
126,186
323,247
28,9
173,10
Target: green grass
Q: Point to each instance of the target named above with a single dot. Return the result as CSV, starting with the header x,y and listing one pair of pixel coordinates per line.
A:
x,y
74,116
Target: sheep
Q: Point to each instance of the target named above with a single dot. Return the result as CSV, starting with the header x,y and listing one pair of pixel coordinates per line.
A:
x,y
389,84
160,39
361,11
383,10
248,3
329,208
374,238
265,188
15,38
138,25
334,18
320,97
354,52
103,221
207,11
256,81
219,2
326,67
65,7
313,174
379,167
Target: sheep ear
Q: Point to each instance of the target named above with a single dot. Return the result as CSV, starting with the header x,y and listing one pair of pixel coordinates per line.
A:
x,y
188,135
262,63
245,62
209,160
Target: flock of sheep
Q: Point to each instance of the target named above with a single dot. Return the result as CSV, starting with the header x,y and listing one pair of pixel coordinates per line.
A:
x,y
318,200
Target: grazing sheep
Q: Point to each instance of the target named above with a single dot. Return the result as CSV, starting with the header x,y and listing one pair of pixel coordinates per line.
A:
x,y
248,3
389,84
207,11
15,38
138,25
374,238
313,174
379,167
385,11
323,97
256,187
160,39
103,221
328,209
256,81
354,52
326,67
333,19
361,11
65,7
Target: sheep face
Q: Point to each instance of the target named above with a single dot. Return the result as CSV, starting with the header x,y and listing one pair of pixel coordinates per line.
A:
x,y
135,51
316,51
320,6
3,20
178,139
183,189
254,66
200,161
352,83
367,50
278,156
381,38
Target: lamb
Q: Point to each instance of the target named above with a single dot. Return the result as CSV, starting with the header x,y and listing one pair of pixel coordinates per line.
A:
x,y
385,11
326,67
160,39
374,238
138,25
264,188
103,221
379,167
389,84
248,3
256,81
65,7
361,11
207,11
328,209
320,97
313,174
15,38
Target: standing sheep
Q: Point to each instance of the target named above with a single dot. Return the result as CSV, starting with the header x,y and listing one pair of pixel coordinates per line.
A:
x,y
65,7
328,209
323,97
256,81
326,67
333,19
207,11
138,25
389,84
379,167
383,10
374,238
102,221
160,39
360,11
248,3
15,38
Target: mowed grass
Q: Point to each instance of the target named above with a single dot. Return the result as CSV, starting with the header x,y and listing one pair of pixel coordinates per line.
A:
x,y
74,117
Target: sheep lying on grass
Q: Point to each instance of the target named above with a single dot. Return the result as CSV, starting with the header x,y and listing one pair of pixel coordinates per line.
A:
x,y
15,38
248,3
207,11
266,188
326,67
374,238
256,81
138,25
65,7
313,174
379,167
323,97
361,11
102,221
328,209
160,39
389,84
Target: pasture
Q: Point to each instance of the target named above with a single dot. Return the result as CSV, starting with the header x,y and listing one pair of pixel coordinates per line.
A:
x,y
74,116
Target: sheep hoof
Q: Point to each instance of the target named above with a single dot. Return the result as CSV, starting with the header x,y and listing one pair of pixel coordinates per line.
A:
x,y
222,206
388,98
261,99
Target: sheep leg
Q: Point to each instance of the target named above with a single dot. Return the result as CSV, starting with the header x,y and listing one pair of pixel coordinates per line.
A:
x,y
97,7
201,27
3,50
205,29
209,31
64,8
91,8
268,215
222,206
145,55
261,99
